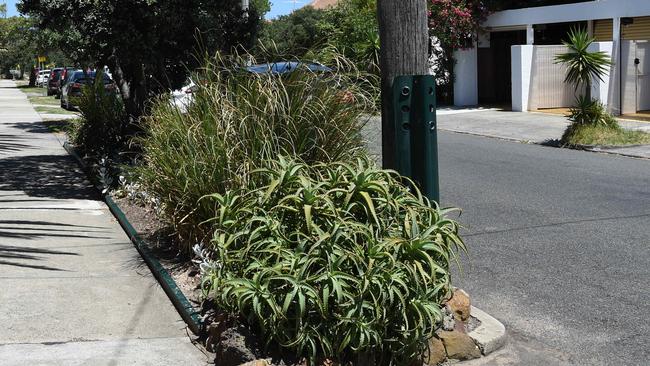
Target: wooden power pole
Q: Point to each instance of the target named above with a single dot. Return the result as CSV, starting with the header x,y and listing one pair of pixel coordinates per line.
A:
x,y
404,37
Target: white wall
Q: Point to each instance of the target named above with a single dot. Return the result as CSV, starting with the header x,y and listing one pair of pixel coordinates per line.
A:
x,y
602,9
522,61
466,77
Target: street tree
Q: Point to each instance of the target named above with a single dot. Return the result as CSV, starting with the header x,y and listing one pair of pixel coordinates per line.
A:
x,y
150,45
294,34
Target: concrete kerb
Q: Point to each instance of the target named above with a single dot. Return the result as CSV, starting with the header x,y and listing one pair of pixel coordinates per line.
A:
x,y
189,314
490,335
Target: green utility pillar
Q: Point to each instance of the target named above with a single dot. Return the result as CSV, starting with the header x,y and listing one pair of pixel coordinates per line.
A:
x,y
416,131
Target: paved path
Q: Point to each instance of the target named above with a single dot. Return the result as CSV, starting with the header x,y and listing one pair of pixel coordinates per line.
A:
x,y
73,289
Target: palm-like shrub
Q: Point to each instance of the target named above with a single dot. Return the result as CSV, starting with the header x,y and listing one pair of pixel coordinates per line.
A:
x,y
583,66
238,120
590,111
332,260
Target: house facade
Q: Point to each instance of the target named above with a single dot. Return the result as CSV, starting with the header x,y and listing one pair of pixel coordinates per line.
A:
x,y
512,63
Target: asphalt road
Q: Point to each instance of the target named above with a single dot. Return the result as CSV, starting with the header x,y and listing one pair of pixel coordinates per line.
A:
x,y
559,245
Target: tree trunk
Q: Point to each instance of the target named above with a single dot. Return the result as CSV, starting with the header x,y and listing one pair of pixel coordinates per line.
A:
x,y
404,39
132,89
32,76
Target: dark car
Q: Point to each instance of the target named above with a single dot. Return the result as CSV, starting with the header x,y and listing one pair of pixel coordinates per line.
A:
x,y
286,67
63,78
54,81
73,87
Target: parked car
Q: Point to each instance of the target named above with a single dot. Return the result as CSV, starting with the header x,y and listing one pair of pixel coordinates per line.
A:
x,y
73,87
42,77
286,67
65,75
54,80
183,97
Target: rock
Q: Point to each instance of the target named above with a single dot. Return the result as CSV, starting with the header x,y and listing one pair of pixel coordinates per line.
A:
x,y
448,321
460,304
236,346
459,346
436,353
257,363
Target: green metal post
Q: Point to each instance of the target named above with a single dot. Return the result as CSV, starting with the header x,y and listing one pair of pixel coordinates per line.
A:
x,y
416,129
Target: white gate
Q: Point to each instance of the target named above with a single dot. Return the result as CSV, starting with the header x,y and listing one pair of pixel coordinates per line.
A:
x,y
547,87
635,76
642,65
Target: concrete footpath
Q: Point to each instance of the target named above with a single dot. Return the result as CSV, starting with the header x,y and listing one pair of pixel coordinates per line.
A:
x,y
73,289
529,127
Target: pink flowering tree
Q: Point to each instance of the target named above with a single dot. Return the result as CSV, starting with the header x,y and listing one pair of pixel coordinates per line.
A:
x,y
453,25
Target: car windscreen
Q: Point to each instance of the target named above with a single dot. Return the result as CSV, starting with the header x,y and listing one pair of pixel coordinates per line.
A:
x,y
86,78
56,74
286,67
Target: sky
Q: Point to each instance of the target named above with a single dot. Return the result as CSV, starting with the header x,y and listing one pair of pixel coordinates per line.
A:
x,y
11,7
278,7
282,7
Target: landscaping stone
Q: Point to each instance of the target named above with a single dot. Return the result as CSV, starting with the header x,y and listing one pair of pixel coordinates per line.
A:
x,y
437,353
460,304
458,344
257,363
448,320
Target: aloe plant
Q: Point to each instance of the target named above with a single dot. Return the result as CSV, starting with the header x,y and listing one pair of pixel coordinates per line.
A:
x,y
332,260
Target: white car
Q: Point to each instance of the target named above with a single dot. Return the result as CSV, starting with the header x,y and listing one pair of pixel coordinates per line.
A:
x,y
182,98
43,77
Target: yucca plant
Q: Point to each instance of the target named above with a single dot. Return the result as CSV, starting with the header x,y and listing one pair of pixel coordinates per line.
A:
x,y
590,111
239,119
332,260
583,66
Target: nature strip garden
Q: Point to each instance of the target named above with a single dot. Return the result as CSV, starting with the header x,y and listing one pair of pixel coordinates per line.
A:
x,y
299,240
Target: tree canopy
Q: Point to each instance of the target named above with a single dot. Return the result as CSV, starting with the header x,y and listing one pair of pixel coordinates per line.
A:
x,y
21,43
148,44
